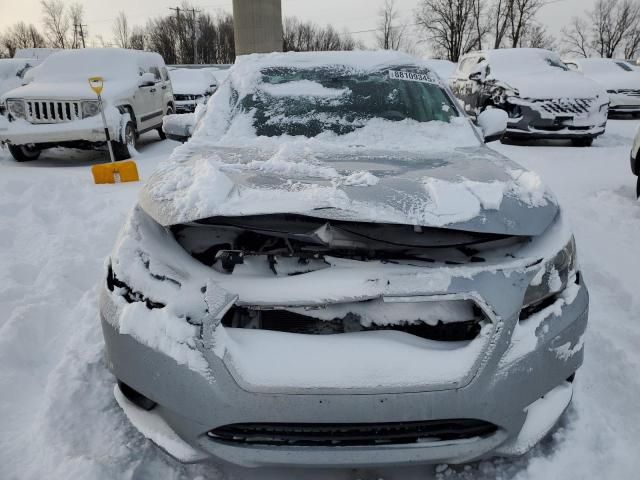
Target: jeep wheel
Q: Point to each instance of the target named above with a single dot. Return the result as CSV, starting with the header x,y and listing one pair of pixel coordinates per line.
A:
x,y
582,142
24,153
163,136
122,150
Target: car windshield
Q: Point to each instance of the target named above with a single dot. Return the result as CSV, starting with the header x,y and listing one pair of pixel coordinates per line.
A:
x,y
295,101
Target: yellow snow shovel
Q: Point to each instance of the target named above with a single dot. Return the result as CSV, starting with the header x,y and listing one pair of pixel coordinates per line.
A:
x,y
125,170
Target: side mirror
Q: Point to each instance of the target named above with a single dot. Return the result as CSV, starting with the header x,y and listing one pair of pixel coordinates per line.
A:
x,y
212,89
493,123
479,74
179,127
147,79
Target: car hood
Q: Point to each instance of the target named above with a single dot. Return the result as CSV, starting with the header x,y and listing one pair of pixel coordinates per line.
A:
x,y
546,85
471,189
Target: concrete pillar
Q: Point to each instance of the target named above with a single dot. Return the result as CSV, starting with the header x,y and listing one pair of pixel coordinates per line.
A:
x,y
257,26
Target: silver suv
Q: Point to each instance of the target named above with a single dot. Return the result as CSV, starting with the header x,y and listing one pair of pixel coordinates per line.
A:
x,y
56,107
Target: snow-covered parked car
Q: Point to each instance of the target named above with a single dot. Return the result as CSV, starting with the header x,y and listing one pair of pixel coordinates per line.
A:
x,y
541,95
336,271
57,107
191,87
617,77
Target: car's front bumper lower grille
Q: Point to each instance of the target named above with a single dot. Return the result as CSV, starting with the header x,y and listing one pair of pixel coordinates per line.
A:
x,y
351,434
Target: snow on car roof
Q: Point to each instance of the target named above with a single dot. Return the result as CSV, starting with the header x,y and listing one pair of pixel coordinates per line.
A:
x,y
362,60
109,63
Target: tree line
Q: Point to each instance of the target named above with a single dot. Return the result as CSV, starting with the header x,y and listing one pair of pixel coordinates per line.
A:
x,y
455,27
447,28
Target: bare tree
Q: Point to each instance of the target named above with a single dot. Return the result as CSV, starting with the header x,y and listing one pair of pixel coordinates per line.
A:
x,y
56,22
390,35
121,31
521,16
632,43
75,18
137,38
612,20
302,36
449,26
500,13
535,35
577,38
21,35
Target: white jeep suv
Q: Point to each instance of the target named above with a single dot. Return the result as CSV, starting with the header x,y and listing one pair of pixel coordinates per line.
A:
x,y
57,108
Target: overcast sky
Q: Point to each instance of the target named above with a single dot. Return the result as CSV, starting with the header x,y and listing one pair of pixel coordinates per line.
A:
x,y
353,15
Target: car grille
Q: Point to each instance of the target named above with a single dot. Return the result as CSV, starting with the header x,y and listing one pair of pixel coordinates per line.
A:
x,y
628,92
183,97
48,111
351,434
570,106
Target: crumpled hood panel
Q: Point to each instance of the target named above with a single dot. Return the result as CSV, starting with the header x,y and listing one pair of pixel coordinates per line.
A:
x,y
472,189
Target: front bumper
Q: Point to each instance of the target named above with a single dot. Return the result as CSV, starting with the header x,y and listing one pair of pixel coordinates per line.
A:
x,y
511,378
620,104
91,130
528,119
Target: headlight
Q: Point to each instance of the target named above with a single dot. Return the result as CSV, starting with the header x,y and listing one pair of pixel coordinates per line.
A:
x,y
16,108
554,275
89,108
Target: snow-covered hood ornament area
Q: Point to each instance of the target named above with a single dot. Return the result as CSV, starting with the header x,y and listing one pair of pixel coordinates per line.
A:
x,y
473,189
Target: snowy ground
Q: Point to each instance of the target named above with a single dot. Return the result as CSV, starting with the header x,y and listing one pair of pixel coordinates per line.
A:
x,y
58,418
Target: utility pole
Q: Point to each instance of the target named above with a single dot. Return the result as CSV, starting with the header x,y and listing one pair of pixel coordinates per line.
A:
x,y
194,34
79,28
177,10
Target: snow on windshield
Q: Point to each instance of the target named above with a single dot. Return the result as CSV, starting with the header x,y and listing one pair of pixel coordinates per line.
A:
x,y
315,99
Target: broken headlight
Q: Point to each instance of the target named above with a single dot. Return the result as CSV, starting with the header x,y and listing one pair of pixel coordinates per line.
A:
x,y
90,108
553,276
16,108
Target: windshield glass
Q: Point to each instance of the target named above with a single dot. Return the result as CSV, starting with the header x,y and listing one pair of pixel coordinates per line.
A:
x,y
293,101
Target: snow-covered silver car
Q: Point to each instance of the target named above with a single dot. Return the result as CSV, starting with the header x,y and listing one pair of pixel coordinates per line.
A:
x,y
620,79
543,98
336,271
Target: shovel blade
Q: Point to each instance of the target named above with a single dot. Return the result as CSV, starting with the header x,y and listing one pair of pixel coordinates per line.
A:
x,y
124,171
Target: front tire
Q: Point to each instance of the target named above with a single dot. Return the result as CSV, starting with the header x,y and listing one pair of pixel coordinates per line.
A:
x,y
24,153
582,142
161,133
122,150
638,188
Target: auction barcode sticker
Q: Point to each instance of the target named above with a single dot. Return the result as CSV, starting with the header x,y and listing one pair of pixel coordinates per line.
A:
x,y
412,76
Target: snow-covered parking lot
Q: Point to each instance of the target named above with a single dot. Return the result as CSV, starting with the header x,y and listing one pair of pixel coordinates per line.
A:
x,y
58,417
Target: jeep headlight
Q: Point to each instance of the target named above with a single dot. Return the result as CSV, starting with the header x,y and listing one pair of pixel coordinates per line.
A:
x,y
16,108
89,108
554,275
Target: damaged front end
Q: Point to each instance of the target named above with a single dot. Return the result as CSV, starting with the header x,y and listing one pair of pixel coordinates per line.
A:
x,y
305,309
556,117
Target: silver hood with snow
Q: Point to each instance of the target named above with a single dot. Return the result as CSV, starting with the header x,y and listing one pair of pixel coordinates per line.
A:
x,y
471,189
